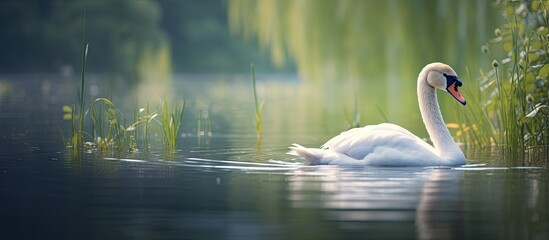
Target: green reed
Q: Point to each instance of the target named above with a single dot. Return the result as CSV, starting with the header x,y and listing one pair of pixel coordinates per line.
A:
x,y
476,128
144,117
509,105
258,107
76,112
170,122
139,131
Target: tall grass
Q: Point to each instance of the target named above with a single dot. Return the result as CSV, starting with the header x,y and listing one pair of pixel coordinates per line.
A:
x,y
476,129
509,110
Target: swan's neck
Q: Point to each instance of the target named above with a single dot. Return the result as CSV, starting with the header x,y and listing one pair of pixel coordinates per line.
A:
x,y
432,118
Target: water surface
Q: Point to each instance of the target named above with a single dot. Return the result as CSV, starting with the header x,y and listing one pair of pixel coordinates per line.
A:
x,y
228,187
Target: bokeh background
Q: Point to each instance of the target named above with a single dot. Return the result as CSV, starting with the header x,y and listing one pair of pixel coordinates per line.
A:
x,y
349,62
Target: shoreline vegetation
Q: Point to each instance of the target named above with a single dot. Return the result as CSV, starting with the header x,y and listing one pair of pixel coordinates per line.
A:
x,y
509,110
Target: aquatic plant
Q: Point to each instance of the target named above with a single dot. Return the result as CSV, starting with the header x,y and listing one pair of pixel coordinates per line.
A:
x,y
109,131
144,118
76,140
138,132
512,96
170,121
105,138
258,107
111,134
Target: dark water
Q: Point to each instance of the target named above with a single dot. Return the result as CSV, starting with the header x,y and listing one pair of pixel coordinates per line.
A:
x,y
228,187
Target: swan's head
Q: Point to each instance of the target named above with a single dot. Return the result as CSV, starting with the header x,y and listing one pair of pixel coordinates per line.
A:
x,y
443,77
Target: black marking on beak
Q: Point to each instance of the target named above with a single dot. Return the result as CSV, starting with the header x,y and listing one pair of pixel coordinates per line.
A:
x,y
455,83
451,79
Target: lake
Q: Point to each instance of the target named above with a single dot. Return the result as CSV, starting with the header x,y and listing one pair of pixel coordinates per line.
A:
x,y
222,184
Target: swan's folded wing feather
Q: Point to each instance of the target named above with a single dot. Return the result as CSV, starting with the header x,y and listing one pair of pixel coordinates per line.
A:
x,y
359,142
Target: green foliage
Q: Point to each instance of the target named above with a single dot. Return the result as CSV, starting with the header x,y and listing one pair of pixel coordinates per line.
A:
x,y
357,39
122,32
380,44
512,95
45,35
129,38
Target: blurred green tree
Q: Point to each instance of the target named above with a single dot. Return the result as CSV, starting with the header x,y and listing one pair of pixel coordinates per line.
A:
x,y
377,46
120,33
22,44
366,39
129,38
202,42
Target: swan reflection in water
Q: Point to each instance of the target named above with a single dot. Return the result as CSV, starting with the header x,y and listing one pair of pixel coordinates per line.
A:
x,y
426,202
439,213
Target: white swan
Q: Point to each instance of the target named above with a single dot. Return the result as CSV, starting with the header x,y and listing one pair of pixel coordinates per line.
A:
x,y
388,144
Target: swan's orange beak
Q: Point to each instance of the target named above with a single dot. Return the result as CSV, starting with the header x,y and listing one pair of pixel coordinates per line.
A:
x,y
454,91
453,83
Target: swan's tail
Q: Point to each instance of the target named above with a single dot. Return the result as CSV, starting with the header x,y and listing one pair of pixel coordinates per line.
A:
x,y
323,156
311,154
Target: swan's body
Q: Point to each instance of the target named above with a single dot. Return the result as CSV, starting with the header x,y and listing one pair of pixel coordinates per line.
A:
x,y
391,145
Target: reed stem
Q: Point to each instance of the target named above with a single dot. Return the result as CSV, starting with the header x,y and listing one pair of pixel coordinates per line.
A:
x,y
258,107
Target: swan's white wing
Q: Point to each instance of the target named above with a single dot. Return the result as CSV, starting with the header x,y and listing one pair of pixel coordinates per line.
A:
x,y
359,142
